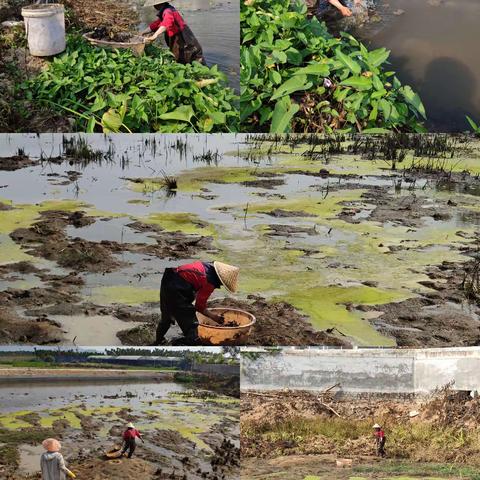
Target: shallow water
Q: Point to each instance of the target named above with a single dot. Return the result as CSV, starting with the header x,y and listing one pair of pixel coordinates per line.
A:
x,y
319,269
434,46
26,395
216,26
107,406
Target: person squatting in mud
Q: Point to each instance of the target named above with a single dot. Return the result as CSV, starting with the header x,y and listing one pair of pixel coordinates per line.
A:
x,y
52,463
329,11
129,440
380,439
181,286
178,36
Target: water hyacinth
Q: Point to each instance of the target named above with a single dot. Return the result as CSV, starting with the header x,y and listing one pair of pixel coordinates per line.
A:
x,y
116,91
295,76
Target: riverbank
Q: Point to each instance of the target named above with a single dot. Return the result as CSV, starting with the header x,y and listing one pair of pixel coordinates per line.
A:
x,y
15,374
34,100
89,418
290,432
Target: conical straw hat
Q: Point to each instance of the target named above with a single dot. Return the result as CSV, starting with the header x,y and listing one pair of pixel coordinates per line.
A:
x,y
376,426
51,445
152,3
130,425
228,275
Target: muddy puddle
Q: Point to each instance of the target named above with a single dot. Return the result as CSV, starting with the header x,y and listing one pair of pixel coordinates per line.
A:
x,y
215,24
330,242
433,54
90,418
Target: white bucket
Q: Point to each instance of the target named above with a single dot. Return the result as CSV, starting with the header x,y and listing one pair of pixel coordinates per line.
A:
x,y
45,27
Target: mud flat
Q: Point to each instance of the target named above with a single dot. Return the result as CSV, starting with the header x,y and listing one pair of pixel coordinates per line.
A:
x,y
347,241
290,435
181,439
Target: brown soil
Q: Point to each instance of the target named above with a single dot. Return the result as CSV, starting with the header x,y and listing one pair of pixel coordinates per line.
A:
x,y
16,162
14,329
107,34
113,14
269,183
279,213
280,324
121,469
266,411
426,320
46,238
288,230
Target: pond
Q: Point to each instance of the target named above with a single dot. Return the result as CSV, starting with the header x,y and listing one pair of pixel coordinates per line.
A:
x,y
216,26
434,45
314,240
89,418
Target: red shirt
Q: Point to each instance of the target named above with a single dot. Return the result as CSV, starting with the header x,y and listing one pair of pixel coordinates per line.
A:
x,y
131,433
379,434
171,20
195,274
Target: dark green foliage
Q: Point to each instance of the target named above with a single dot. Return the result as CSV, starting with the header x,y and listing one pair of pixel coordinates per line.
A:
x,y
295,76
115,91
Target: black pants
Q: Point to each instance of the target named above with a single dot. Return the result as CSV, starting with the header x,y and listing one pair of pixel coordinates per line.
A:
x,y
381,447
129,445
176,304
331,17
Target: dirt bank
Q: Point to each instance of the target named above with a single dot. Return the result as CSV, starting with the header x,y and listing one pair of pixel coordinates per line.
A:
x,y
16,63
278,323
445,315
305,423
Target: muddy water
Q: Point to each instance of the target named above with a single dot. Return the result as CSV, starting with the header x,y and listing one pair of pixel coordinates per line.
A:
x,y
90,417
216,26
434,46
318,260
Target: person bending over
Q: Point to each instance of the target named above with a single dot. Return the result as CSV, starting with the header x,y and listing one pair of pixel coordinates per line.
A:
x,y
187,283
179,38
130,436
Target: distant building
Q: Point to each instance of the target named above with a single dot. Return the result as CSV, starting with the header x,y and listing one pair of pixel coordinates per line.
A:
x,y
143,361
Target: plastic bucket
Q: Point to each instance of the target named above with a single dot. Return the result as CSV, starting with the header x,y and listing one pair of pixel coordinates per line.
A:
x,y
45,28
216,334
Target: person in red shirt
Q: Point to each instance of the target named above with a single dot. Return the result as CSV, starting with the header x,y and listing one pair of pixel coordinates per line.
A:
x,y
380,439
181,286
179,38
129,439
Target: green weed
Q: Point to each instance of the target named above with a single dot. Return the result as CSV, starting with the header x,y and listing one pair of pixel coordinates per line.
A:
x,y
295,76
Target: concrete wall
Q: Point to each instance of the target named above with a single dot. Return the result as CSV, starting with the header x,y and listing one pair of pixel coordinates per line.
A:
x,y
363,370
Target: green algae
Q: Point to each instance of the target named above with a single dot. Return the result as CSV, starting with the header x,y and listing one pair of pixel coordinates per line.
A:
x,y
10,252
313,205
187,223
326,308
14,421
195,179
124,294
24,215
47,421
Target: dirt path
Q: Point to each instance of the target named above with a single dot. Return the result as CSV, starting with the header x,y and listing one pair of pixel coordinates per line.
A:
x,y
323,467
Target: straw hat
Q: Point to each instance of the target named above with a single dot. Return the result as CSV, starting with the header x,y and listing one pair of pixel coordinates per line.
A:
x,y
376,426
51,445
130,425
152,3
228,275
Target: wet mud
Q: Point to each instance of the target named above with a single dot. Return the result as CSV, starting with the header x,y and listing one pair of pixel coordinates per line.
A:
x,y
180,440
280,324
308,222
